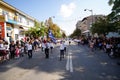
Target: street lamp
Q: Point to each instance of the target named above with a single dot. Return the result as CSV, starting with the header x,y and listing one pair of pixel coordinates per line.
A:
x,y
91,14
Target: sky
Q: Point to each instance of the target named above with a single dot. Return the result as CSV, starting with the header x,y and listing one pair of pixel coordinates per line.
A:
x,y
66,12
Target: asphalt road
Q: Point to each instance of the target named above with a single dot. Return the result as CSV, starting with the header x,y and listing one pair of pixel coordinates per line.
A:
x,y
79,64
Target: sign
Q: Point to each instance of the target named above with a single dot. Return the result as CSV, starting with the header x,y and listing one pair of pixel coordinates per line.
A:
x,y
2,31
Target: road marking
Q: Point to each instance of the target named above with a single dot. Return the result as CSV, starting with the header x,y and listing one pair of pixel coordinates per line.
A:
x,y
69,65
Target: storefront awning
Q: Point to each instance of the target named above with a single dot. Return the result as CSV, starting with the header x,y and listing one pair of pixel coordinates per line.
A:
x,y
86,31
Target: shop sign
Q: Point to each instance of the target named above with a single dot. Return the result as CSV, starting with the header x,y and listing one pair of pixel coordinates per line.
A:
x,y
2,33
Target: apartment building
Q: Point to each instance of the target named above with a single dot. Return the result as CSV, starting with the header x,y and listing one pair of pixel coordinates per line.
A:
x,y
13,22
86,23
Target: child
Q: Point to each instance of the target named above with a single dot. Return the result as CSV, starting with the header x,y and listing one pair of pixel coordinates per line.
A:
x,y
62,47
22,51
29,47
17,52
51,46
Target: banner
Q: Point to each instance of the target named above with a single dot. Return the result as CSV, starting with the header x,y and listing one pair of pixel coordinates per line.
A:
x,y
51,36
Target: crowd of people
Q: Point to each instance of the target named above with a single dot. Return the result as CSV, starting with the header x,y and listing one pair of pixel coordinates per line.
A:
x,y
22,47
111,46
18,49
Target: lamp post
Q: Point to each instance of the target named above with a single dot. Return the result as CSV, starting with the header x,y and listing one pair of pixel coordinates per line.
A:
x,y
91,15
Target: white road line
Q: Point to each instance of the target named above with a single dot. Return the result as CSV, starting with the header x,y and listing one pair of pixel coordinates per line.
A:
x,y
69,65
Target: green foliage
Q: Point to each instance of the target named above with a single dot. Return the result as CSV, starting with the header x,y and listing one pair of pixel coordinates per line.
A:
x,y
103,26
40,29
114,16
54,28
111,2
36,31
76,33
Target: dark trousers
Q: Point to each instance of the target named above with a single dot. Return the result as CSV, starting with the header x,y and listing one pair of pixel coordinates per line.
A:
x,y
42,49
30,53
65,49
61,54
12,54
46,53
51,49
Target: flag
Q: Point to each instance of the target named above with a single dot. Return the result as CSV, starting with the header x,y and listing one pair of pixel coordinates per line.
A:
x,y
51,36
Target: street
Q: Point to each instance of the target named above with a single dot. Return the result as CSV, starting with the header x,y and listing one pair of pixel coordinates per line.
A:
x,y
79,64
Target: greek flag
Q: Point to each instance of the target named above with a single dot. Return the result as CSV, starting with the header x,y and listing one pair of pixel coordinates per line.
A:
x,y
51,36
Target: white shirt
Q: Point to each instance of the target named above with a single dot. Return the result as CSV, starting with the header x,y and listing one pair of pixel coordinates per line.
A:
x,y
108,46
47,44
51,45
43,45
65,44
2,47
62,46
29,46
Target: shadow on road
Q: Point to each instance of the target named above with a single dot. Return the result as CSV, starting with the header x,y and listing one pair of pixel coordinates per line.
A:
x,y
86,66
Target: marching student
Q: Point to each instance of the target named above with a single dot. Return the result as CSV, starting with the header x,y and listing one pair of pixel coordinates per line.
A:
x,y
62,47
51,46
47,46
29,47
42,46
65,46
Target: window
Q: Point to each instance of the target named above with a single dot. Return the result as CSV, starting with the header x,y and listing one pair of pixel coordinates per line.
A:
x,y
16,36
27,22
0,11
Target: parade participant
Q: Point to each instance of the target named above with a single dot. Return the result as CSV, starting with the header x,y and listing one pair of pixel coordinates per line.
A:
x,y
29,47
61,50
42,46
51,46
69,42
47,46
65,46
22,51
35,44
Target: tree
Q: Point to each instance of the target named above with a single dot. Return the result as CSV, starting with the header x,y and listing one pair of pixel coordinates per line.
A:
x,y
42,29
76,33
114,16
36,31
103,26
53,27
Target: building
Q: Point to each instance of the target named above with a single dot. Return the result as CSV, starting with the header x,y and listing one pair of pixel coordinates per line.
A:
x,y
13,22
86,23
